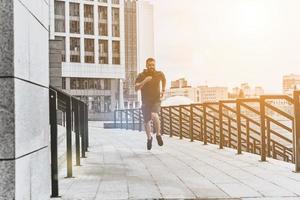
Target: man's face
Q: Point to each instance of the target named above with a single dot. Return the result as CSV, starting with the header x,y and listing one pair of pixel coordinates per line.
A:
x,y
151,66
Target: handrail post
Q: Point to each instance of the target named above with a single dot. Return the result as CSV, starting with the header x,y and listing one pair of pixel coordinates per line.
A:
x,y
140,120
133,125
238,121
263,128
82,132
214,131
191,123
268,138
180,122
121,119
205,126
69,136
161,121
229,132
126,118
86,123
77,126
248,135
115,118
170,118
201,138
54,161
297,130
221,125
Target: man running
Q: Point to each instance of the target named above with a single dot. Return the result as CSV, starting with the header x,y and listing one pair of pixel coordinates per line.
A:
x,y
149,83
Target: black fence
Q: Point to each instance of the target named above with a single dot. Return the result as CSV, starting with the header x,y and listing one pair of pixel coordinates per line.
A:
x,y
76,120
268,125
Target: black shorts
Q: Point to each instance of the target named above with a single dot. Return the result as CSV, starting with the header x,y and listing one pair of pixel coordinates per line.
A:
x,y
148,108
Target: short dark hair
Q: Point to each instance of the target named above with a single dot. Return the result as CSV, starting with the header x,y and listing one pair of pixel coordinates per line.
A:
x,y
150,60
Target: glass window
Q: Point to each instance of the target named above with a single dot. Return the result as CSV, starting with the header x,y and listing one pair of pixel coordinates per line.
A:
x,y
115,1
102,15
74,49
88,19
116,52
63,51
74,18
59,10
63,83
103,51
115,22
89,51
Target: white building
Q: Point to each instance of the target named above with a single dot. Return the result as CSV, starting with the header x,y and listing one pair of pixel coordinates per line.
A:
x,y
94,54
290,83
188,92
139,45
212,94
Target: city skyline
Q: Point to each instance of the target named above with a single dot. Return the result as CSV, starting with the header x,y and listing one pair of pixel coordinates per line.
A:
x,y
228,43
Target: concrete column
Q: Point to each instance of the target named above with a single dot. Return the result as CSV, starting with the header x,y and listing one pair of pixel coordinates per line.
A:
x,y
81,8
24,100
109,31
67,23
96,31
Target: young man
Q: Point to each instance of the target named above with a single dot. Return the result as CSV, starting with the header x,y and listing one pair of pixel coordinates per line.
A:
x,y
149,83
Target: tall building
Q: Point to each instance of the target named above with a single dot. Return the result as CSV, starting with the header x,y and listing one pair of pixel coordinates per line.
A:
x,y
180,83
180,87
94,51
290,83
139,45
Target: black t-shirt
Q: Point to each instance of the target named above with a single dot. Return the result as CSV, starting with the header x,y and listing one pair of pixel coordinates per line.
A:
x,y
151,90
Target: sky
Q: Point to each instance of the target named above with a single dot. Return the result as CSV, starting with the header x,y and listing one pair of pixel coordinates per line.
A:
x,y
228,42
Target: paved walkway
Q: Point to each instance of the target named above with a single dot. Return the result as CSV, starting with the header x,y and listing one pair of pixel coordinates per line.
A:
x,y
119,167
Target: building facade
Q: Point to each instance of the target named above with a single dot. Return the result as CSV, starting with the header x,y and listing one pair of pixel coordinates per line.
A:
x,y
139,45
180,83
93,58
24,100
290,83
212,94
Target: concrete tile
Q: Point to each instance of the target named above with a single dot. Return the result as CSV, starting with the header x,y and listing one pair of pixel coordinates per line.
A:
x,y
31,117
239,190
7,115
33,176
7,177
38,8
6,38
31,52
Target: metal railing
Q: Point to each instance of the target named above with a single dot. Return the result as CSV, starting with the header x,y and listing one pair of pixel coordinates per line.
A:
x,y
268,125
76,119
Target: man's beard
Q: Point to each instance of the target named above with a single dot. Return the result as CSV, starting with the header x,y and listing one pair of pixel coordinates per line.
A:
x,y
150,72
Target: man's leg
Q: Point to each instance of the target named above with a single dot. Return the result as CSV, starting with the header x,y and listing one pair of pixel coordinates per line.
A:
x,y
147,120
148,129
156,122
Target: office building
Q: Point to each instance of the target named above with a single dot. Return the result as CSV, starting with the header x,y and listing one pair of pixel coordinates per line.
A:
x,y
93,57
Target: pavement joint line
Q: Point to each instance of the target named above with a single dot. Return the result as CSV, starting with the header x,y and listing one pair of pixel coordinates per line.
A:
x,y
254,175
146,167
120,147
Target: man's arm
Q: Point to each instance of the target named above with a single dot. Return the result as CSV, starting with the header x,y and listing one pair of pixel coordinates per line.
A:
x,y
163,84
140,83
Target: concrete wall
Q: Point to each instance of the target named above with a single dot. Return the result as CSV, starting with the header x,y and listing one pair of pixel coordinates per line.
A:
x,y
24,106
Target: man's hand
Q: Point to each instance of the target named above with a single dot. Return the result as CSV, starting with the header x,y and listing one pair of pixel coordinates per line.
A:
x,y
148,78
138,86
162,94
